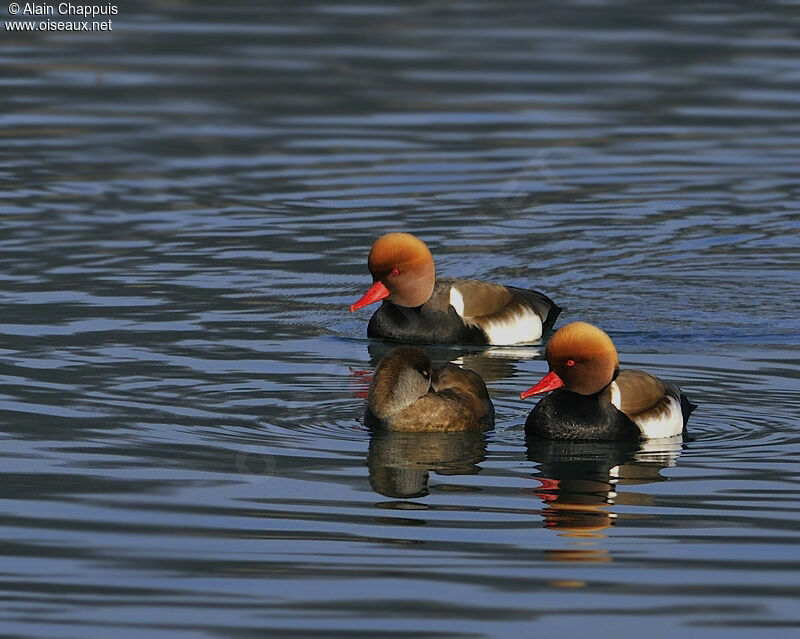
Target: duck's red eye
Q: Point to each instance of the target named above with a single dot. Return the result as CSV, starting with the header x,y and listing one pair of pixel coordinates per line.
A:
x,y
570,362
395,271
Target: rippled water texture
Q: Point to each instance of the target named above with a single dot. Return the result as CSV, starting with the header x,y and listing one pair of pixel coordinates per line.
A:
x,y
187,203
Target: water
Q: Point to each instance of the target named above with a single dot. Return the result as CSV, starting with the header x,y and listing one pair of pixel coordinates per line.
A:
x,y
187,203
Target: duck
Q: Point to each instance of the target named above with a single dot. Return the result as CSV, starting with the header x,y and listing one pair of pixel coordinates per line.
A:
x,y
408,394
592,399
418,307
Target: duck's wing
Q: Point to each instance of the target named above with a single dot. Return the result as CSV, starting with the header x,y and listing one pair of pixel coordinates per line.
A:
x,y
545,308
506,315
466,386
473,298
442,411
653,405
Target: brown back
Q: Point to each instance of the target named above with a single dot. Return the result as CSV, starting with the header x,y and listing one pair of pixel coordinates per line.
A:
x,y
458,401
639,391
467,386
483,298
436,411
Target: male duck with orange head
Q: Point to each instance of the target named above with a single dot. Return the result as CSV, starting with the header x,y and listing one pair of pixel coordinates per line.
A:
x,y
594,399
419,307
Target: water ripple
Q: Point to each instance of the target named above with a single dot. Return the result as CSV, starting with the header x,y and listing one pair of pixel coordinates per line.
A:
x,y
187,211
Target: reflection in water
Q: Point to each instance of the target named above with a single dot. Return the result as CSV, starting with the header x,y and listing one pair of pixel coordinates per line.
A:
x,y
491,363
579,483
399,463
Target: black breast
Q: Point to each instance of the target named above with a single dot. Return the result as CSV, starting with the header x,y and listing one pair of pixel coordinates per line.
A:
x,y
567,415
424,324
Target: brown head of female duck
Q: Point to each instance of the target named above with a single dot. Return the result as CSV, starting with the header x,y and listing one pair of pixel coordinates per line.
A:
x,y
408,394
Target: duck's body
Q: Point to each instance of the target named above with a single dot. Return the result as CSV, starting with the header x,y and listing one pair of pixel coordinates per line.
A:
x,y
407,394
468,312
418,307
593,400
635,405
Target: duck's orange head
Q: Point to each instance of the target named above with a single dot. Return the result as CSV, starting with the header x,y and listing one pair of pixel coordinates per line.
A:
x,y
582,359
402,271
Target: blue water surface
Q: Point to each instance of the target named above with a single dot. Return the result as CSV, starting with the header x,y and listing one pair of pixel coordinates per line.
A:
x,y
187,203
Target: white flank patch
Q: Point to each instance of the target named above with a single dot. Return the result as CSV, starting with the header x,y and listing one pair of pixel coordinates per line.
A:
x,y
524,326
457,301
668,423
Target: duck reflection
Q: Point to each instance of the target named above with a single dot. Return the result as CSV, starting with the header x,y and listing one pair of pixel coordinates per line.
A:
x,y
401,462
579,487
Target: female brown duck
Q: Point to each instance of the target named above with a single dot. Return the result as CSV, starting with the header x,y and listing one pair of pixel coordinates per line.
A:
x,y
407,394
418,307
594,399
